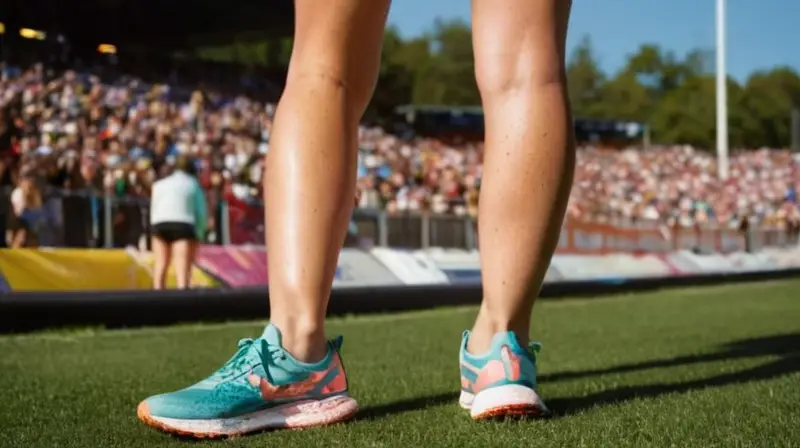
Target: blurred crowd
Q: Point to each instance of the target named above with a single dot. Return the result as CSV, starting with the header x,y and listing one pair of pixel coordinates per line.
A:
x,y
679,186
75,131
676,186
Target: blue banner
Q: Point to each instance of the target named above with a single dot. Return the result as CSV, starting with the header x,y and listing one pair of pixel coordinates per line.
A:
x,y
463,276
4,286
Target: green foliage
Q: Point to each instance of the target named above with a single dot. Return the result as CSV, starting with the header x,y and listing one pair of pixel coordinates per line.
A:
x,y
677,97
250,51
674,95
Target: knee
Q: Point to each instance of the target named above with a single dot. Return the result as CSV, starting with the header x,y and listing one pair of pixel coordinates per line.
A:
x,y
506,74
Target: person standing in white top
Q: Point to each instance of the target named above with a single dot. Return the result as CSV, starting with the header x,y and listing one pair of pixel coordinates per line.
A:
x,y
178,218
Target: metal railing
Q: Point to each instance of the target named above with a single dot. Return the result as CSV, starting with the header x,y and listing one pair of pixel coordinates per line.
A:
x,y
415,230
85,218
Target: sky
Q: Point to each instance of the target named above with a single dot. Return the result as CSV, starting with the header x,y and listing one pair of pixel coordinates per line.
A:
x,y
759,32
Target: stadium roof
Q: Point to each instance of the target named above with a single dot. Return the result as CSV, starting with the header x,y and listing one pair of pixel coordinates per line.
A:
x,y
165,24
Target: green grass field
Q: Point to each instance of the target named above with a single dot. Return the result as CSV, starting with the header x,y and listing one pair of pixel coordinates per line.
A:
x,y
716,366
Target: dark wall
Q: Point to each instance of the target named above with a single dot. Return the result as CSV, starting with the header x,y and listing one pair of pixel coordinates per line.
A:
x,y
155,23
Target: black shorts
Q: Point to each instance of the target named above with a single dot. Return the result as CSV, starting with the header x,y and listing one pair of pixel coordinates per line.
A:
x,y
174,231
16,224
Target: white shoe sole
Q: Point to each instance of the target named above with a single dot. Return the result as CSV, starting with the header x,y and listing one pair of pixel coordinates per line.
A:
x,y
508,400
300,414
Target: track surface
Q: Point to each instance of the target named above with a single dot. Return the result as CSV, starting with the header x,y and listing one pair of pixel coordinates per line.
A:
x,y
714,366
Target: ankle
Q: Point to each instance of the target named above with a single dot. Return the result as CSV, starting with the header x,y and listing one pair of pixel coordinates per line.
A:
x,y
480,339
305,342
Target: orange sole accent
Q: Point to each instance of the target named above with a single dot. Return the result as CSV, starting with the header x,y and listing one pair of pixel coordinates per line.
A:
x,y
519,410
143,412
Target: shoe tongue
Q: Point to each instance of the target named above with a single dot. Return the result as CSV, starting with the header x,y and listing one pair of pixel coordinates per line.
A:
x,y
272,335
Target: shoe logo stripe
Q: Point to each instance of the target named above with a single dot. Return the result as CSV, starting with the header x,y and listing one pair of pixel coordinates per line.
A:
x,y
315,380
507,368
470,367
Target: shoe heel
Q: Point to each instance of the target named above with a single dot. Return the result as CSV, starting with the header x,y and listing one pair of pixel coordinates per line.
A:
x,y
507,400
465,400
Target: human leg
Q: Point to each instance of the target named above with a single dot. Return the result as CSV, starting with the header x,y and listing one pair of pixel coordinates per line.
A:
x,y
291,376
311,174
162,256
528,166
183,254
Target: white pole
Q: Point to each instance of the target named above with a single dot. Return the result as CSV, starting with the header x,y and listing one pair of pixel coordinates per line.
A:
x,y
722,96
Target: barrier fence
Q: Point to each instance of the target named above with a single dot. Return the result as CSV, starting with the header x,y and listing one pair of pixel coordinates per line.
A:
x,y
26,311
580,237
89,220
82,218
246,266
421,231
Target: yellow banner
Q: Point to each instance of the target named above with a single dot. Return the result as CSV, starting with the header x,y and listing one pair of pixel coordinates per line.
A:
x,y
199,278
83,270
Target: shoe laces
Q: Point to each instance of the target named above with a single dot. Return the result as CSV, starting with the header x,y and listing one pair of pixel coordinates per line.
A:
x,y
271,353
238,362
242,360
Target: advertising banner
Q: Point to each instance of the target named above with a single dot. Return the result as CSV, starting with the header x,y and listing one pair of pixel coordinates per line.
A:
x,y
4,286
72,270
359,268
784,258
412,268
735,262
743,261
460,266
247,266
235,266
611,266
199,279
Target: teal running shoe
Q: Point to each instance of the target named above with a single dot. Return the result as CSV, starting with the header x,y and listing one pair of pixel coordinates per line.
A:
x,y
502,381
262,386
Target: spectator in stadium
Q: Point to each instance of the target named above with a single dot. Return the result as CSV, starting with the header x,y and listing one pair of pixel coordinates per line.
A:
x,y
519,52
178,216
27,213
77,133
8,133
6,175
